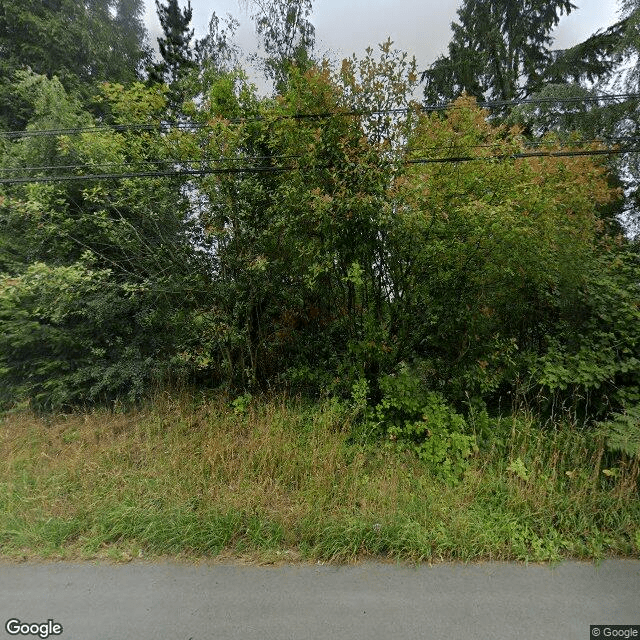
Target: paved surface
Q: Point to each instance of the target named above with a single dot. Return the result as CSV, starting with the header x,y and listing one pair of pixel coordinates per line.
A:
x,y
164,601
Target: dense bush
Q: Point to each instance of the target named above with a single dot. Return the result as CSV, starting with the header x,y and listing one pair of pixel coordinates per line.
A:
x,y
343,249
422,422
72,335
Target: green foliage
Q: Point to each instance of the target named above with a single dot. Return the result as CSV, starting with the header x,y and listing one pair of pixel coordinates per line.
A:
x,y
629,43
570,122
622,431
241,404
288,36
300,293
593,60
499,50
519,469
217,51
72,334
72,40
187,475
487,255
343,253
595,351
48,106
128,311
176,50
423,423
319,255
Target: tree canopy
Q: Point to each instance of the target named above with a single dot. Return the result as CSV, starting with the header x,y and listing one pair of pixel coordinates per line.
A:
x,y
81,43
287,34
499,50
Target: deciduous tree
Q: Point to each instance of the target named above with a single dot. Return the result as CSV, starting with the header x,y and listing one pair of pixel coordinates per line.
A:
x,y
288,36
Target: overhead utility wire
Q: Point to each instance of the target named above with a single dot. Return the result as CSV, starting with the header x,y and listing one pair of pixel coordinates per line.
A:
x,y
144,174
202,161
146,163
310,116
133,126
533,154
530,143
283,169
550,100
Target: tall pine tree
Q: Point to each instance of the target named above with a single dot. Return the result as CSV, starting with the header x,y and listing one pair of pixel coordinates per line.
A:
x,y
175,49
499,50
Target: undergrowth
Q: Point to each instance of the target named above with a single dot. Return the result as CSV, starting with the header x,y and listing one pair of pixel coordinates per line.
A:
x,y
275,479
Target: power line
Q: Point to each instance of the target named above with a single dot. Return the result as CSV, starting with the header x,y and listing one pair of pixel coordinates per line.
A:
x,y
144,174
203,161
586,99
231,159
283,169
127,165
533,154
166,127
532,143
95,129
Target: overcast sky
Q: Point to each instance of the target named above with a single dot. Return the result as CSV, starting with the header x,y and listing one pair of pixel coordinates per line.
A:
x,y
421,27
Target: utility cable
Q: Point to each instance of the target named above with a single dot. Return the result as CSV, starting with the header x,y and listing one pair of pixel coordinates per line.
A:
x,y
284,169
312,116
128,165
145,174
531,143
204,161
534,154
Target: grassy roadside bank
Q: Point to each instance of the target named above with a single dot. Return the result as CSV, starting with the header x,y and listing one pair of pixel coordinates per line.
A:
x,y
280,479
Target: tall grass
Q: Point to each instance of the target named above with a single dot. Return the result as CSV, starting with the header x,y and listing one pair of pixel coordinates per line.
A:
x,y
281,480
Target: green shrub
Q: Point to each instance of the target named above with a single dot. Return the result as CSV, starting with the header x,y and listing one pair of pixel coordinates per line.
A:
x,y
72,335
593,356
422,422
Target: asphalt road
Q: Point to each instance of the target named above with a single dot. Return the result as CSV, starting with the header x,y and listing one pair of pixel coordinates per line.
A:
x,y
170,601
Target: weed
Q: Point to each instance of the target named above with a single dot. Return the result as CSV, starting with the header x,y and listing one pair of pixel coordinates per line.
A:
x,y
284,478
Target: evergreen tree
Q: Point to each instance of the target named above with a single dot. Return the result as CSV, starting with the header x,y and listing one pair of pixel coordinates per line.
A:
x,y
629,42
595,59
175,48
606,59
131,49
499,50
627,114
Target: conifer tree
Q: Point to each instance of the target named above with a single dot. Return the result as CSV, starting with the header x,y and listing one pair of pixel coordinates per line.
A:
x,y
175,47
499,50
